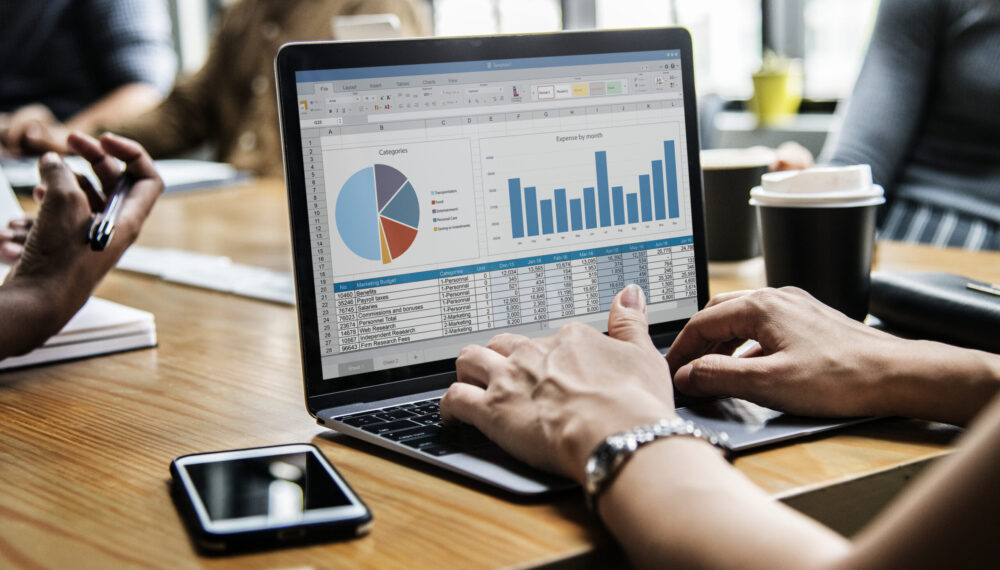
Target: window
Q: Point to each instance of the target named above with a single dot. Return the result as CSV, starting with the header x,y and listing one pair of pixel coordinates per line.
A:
x,y
836,37
467,17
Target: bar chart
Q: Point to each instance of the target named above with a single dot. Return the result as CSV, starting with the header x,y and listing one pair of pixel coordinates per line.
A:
x,y
655,199
585,186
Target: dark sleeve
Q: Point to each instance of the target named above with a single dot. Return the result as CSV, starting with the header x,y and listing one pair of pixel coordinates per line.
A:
x,y
889,98
132,41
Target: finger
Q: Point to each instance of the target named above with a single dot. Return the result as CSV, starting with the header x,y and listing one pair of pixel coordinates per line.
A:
x,y
38,194
10,252
505,343
137,161
627,320
723,297
719,375
105,166
21,224
464,403
15,235
94,197
139,164
732,320
477,364
59,181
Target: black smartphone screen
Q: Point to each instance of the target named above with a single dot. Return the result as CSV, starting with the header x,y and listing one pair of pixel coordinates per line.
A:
x,y
282,488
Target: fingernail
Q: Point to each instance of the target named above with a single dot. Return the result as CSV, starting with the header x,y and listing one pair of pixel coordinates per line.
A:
x,y
633,298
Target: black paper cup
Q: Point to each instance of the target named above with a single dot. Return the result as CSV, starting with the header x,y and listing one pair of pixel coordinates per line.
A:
x,y
826,251
730,221
818,233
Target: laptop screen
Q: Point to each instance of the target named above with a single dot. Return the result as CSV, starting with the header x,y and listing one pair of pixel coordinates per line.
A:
x,y
450,202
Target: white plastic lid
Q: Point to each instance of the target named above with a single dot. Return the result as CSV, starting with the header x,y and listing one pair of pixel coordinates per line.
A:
x,y
734,158
846,186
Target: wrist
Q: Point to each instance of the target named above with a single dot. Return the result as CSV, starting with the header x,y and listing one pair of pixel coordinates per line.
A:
x,y
939,382
581,437
615,452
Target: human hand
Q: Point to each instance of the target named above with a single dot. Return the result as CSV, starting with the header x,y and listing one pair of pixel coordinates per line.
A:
x,y
56,258
809,359
550,401
33,129
791,156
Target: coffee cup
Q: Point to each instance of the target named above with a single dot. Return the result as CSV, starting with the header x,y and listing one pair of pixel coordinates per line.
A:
x,y
730,222
818,232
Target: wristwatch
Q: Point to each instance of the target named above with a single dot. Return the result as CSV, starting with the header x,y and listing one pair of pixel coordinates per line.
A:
x,y
611,454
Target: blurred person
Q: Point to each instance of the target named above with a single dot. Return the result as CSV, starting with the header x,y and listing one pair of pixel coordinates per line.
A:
x,y
924,114
231,102
676,501
56,271
76,64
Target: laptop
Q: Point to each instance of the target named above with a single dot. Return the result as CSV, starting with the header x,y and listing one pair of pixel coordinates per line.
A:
x,y
442,191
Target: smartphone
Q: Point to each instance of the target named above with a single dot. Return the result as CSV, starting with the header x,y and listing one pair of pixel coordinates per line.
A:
x,y
265,497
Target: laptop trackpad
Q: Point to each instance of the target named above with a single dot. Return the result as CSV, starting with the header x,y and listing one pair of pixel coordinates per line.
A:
x,y
749,425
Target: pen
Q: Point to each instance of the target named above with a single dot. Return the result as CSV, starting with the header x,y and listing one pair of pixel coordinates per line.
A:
x,y
103,226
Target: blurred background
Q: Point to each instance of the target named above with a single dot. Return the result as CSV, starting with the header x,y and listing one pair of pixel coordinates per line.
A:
x,y
825,38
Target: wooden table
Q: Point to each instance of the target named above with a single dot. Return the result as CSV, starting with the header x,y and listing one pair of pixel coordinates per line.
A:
x,y
85,446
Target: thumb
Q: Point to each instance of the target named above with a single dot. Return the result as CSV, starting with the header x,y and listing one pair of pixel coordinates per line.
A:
x,y
57,180
627,319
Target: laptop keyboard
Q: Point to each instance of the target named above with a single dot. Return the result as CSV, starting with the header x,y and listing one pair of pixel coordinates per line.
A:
x,y
418,425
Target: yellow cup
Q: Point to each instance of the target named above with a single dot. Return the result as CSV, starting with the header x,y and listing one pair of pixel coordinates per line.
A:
x,y
776,96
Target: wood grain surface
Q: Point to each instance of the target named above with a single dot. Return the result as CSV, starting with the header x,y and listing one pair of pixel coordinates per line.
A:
x,y
85,446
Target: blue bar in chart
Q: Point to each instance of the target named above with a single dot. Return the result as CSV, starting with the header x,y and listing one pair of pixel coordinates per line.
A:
x,y
645,196
562,222
603,200
531,210
576,214
516,213
661,209
632,203
601,205
618,198
671,165
590,207
546,206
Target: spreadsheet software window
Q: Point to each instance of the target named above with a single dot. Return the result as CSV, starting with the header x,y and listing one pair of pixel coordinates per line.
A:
x,y
450,202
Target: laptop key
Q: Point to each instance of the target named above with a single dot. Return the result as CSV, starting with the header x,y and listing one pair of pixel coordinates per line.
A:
x,y
438,450
421,432
359,420
397,414
386,427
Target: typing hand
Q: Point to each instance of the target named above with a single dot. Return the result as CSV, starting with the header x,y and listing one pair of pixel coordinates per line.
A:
x,y
810,359
550,401
56,257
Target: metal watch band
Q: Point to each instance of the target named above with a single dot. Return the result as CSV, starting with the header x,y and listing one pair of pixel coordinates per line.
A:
x,y
611,454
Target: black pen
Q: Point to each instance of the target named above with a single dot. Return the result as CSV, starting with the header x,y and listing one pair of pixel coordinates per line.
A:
x,y
103,226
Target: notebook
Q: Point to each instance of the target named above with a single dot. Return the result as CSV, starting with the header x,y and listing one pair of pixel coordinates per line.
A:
x,y
445,190
99,327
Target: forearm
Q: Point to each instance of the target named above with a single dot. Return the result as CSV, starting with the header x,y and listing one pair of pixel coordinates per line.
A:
x,y
678,503
939,382
30,316
121,104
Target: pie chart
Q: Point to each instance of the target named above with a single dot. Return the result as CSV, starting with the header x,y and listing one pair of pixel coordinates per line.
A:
x,y
377,213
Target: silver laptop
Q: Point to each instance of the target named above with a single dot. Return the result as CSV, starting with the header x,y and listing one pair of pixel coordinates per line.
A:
x,y
443,191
